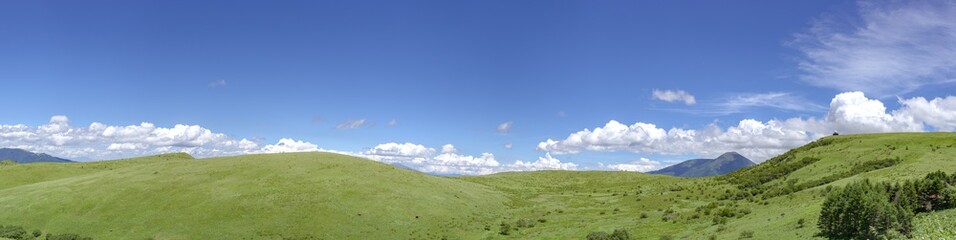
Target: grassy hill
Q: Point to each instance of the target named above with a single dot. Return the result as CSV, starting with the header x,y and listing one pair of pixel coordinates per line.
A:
x,y
278,196
329,196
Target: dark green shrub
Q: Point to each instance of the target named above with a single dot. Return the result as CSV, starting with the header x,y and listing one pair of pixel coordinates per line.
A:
x,y
620,234
14,232
525,223
67,236
505,229
599,235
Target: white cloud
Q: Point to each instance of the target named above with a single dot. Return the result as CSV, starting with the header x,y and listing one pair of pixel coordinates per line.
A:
x,y
892,48
101,141
392,123
852,112
778,100
448,148
350,124
544,163
288,145
451,162
400,152
674,96
504,127
849,112
508,145
939,112
641,165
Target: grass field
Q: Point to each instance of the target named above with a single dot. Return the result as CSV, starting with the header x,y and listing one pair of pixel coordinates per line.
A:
x,y
330,196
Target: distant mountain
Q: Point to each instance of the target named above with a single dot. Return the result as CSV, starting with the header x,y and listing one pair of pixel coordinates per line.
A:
x,y
24,156
725,163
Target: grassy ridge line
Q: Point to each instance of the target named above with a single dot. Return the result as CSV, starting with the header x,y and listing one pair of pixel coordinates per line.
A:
x,y
321,195
274,196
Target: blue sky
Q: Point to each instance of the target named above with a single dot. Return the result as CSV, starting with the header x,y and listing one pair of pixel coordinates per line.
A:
x,y
431,73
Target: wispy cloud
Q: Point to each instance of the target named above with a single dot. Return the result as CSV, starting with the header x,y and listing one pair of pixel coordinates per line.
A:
x,y
505,127
392,123
674,96
778,100
350,124
744,102
891,48
217,83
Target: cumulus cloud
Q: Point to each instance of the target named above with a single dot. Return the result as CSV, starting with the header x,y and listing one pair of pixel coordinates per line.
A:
x,y
289,145
850,112
504,127
674,96
350,124
543,163
100,141
641,165
890,48
416,153
449,161
939,113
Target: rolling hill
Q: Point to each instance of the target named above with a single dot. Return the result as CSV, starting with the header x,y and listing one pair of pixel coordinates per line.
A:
x,y
723,164
24,156
330,196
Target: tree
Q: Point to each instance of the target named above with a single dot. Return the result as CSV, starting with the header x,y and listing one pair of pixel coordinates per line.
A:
x,y
862,211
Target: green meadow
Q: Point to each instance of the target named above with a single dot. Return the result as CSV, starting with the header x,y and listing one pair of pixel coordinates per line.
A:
x,y
331,196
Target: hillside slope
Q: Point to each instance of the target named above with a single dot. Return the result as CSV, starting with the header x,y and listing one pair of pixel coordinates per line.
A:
x,y
723,164
329,196
653,206
277,196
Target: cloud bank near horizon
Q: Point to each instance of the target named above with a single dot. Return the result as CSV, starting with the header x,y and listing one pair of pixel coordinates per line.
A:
x,y
849,112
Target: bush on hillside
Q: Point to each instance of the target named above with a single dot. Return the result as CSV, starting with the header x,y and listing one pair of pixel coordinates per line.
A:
x,y
525,223
13,232
618,234
67,236
505,229
864,210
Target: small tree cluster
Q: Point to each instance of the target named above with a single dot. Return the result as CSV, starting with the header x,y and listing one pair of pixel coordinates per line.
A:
x,y
18,233
618,234
864,210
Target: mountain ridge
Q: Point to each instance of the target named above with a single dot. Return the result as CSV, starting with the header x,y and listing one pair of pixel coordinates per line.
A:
x,y
723,164
24,156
